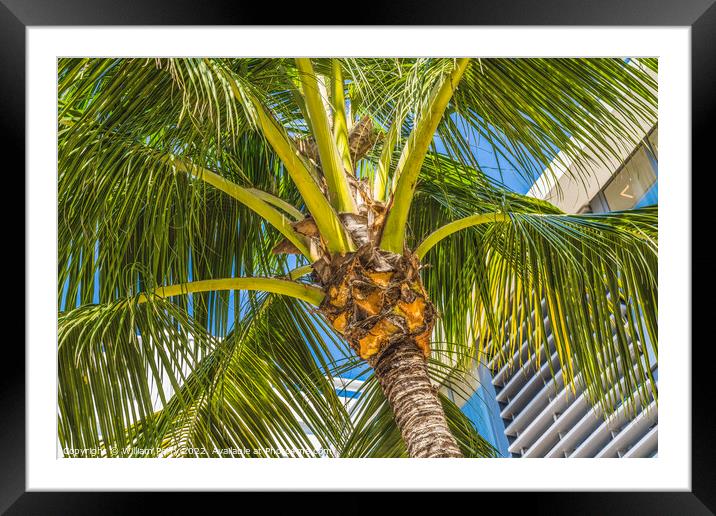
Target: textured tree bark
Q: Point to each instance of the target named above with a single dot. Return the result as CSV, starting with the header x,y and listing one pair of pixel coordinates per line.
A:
x,y
403,376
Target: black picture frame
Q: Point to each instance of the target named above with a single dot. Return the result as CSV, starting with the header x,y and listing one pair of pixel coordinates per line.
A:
x,y
700,15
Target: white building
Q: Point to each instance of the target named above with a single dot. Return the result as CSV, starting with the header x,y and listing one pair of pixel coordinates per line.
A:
x,y
521,409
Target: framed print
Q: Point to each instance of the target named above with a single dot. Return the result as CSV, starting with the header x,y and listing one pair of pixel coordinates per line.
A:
x,y
336,251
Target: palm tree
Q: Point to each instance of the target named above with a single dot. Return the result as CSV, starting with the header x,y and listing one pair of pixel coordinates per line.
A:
x,y
235,235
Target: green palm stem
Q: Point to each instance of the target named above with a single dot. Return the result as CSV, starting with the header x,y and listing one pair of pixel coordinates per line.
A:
x,y
308,293
331,162
277,202
411,159
340,126
448,229
329,225
300,271
252,200
380,179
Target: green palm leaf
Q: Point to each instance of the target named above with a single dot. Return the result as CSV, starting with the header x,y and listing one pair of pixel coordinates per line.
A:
x,y
581,271
225,370
264,387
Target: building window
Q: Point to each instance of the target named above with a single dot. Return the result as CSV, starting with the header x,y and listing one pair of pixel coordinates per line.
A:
x,y
632,183
636,184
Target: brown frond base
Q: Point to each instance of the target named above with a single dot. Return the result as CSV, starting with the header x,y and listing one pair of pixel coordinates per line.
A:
x,y
375,299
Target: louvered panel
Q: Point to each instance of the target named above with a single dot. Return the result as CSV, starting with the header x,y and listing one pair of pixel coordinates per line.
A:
x,y
494,364
630,434
543,419
646,447
525,384
605,432
561,415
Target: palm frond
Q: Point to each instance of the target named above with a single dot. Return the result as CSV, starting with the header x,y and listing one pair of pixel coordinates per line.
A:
x,y
583,286
541,114
110,376
172,375
120,213
177,391
330,156
124,207
413,155
535,114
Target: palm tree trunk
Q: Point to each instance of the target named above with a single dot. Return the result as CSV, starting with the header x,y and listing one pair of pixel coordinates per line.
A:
x,y
403,376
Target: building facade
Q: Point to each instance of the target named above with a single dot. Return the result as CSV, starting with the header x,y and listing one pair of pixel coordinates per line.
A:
x,y
526,411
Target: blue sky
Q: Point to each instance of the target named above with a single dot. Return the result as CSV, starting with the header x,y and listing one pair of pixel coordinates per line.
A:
x,y
487,155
